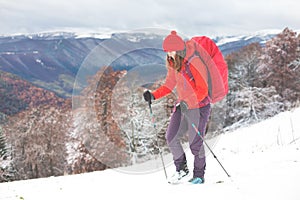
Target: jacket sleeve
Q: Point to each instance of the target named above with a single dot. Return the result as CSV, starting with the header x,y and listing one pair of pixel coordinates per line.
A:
x,y
167,87
199,73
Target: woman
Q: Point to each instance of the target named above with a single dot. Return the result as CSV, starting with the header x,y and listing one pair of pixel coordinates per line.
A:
x,y
188,75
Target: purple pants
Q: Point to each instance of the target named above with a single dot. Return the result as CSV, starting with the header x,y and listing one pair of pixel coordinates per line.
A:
x,y
181,124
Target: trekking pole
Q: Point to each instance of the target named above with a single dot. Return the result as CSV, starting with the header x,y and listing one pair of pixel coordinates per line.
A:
x,y
198,132
159,149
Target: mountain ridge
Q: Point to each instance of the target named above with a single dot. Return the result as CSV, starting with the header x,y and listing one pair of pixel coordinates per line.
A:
x,y
51,60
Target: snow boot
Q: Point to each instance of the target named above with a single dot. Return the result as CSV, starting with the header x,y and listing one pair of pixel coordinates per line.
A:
x,y
179,175
197,180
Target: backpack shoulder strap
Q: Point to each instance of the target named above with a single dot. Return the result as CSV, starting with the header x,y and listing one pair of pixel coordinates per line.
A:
x,y
189,73
188,69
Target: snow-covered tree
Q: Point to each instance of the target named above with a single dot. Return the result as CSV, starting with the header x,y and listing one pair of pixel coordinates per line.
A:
x,y
3,149
133,116
243,72
243,66
7,172
248,100
252,104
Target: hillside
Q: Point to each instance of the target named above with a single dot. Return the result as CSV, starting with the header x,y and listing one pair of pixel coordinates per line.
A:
x,y
263,161
18,95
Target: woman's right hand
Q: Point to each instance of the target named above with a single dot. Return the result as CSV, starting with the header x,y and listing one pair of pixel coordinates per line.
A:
x,y
148,96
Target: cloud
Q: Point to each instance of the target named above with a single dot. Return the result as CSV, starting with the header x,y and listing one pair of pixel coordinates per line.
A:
x,y
214,17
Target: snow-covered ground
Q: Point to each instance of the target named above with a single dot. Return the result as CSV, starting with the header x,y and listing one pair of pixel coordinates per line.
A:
x,y
263,161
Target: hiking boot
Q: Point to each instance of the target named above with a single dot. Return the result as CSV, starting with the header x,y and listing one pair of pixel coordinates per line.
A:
x,y
197,180
178,175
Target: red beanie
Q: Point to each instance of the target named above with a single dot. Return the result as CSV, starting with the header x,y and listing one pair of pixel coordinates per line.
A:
x,y
173,42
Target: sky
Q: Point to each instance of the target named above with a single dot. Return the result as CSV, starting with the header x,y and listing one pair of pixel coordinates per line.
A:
x,y
191,17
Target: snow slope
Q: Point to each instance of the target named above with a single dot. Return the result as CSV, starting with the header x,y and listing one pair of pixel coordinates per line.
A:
x,y
263,161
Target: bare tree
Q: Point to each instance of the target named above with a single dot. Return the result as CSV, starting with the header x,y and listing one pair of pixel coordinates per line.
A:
x,y
95,141
280,65
37,137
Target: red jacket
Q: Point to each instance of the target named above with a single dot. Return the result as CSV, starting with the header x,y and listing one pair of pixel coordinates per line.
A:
x,y
191,91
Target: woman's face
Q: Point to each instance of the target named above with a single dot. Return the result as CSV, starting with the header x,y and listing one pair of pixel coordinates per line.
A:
x,y
171,54
175,59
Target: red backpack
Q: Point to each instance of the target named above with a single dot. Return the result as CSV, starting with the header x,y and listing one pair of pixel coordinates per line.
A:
x,y
217,69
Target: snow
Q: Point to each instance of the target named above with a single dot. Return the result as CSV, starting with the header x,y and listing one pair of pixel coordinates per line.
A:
x,y
262,159
266,32
262,34
7,53
39,61
93,35
69,33
226,40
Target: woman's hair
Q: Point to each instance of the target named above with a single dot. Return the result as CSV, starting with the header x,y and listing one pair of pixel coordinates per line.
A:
x,y
177,62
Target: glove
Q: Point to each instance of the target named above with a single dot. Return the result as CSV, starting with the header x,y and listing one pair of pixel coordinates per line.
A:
x,y
148,96
183,106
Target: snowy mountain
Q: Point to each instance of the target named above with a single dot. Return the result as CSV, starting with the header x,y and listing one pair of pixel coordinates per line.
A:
x,y
230,44
52,60
263,161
